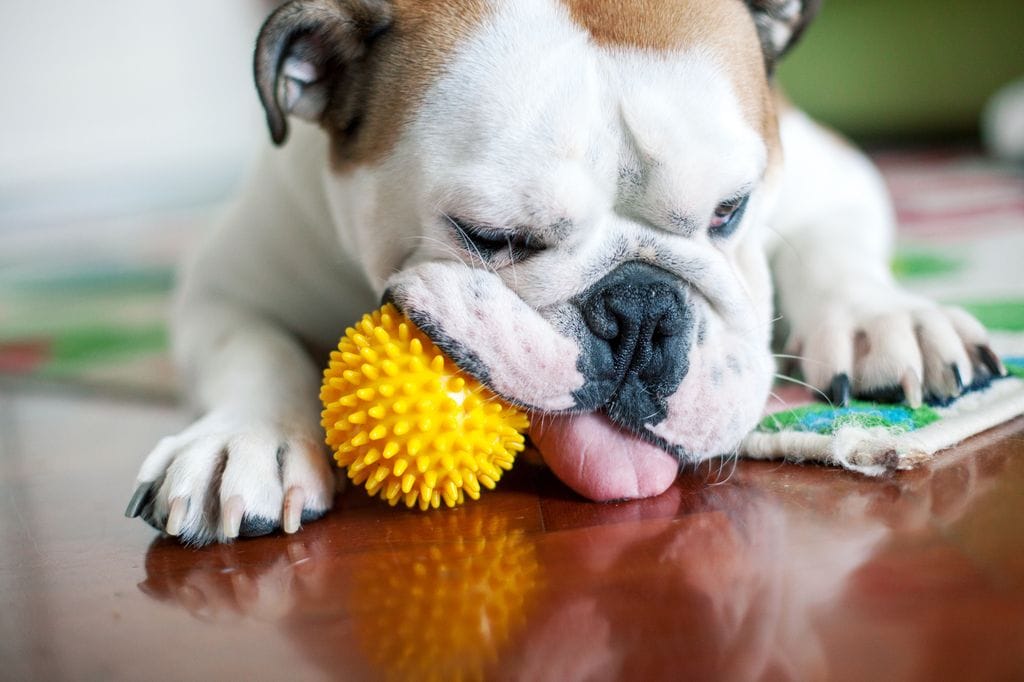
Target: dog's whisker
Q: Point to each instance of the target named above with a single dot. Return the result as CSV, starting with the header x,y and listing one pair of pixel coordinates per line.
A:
x,y
805,385
512,264
757,327
483,261
732,457
465,237
802,358
786,242
445,248
784,403
718,474
708,475
735,463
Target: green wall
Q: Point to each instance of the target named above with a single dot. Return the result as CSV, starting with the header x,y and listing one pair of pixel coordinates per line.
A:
x,y
905,67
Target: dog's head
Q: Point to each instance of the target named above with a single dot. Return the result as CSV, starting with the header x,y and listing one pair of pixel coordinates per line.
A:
x,y
567,195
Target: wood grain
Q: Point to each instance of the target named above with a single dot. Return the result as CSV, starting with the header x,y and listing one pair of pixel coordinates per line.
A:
x,y
758,570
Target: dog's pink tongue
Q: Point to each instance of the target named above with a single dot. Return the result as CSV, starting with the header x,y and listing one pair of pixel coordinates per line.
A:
x,y
600,461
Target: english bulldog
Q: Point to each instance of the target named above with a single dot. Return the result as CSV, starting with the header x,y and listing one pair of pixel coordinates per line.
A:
x,y
599,208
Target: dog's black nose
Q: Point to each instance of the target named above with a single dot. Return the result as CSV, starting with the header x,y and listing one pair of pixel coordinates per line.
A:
x,y
640,325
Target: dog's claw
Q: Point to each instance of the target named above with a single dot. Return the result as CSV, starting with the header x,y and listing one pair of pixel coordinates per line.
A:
x,y
839,392
140,498
231,516
889,394
179,507
958,379
991,361
912,390
294,500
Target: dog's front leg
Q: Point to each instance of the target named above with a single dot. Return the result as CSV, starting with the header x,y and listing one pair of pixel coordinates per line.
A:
x,y
254,461
855,329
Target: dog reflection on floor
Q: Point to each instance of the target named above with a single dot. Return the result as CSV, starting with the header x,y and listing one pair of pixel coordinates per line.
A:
x,y
756,576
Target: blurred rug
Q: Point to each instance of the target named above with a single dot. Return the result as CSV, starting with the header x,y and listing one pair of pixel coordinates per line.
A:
x,y
84,306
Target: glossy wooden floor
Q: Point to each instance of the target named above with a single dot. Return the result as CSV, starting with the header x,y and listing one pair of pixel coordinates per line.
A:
x,y
764,571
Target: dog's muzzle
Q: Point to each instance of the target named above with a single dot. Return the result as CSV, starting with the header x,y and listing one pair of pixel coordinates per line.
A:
x,y
636,344
635,336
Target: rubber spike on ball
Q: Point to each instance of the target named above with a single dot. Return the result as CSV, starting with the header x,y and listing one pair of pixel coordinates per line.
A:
x,y
407,423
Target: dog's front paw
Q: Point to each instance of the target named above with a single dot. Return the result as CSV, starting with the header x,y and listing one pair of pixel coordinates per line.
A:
x,y
892,347
226,476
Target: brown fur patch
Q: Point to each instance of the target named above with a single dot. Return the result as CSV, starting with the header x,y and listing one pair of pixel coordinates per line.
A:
x,y
372,106
645,24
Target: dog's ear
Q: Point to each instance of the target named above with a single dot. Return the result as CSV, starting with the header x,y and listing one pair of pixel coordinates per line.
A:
x,y
780,23
304,50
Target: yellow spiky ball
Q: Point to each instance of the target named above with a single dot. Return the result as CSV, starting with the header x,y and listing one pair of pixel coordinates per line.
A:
x,y
407,423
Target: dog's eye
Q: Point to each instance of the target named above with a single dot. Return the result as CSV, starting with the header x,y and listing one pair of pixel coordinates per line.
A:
x,y
727,216
491,244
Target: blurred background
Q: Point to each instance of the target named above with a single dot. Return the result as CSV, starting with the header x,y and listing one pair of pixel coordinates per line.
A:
x,y
897,70
124,105
126,124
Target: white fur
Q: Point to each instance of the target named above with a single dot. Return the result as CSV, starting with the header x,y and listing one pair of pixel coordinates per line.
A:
x,y
534,127
834,232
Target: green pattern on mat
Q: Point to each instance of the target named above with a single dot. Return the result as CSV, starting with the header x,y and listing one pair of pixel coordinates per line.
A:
x,y
826,419
106,280
77,349
914,264
1006,315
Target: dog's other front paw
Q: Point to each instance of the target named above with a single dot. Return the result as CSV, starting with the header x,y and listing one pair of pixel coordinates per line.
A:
x,y
225,477
896,348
